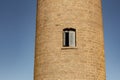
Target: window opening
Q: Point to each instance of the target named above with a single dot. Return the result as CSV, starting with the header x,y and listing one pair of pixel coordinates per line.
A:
x,y
69,37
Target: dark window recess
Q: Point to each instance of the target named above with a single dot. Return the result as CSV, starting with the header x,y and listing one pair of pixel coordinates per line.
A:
x,y
66,39
69,37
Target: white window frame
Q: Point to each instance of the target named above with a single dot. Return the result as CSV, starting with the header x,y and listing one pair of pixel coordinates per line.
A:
x,y
71,41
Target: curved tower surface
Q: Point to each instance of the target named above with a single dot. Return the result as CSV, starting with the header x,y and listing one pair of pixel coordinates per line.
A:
x,y
69,40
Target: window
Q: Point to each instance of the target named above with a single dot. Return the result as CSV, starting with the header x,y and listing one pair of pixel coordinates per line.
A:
x,y
69,35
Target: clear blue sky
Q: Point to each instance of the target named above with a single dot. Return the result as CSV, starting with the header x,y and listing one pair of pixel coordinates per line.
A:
x,y
17,35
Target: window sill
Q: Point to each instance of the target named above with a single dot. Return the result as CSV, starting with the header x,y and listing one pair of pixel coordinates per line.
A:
x,y
63,48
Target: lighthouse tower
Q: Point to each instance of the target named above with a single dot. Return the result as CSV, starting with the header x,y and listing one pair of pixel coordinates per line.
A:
x,y
69,40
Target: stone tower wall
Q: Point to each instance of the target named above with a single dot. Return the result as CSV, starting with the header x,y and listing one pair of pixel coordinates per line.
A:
x,y
83,62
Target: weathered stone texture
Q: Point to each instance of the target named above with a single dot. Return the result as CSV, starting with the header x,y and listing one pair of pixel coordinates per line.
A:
x,y
86,60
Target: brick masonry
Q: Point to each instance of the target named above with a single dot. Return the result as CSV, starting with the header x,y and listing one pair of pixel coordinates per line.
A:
x,y
55,62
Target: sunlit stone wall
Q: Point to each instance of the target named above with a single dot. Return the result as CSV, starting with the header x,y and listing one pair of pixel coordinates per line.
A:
x,y
55,62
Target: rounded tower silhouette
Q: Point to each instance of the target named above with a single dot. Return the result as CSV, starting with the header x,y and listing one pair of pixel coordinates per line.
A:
x,y
69,40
